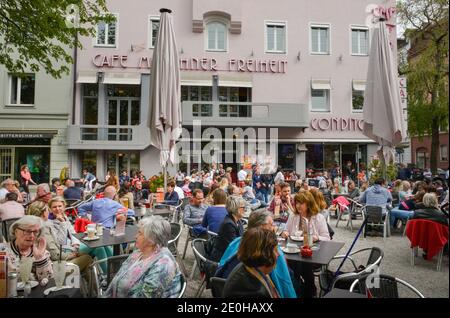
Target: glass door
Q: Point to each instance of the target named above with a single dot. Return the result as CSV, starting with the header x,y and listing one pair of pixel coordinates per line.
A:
x,y
122,161
122,112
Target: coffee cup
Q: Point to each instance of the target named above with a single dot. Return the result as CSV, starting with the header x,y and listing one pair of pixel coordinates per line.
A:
x,y
91,230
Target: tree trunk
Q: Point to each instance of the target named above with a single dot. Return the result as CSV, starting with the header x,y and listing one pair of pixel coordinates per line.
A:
x,y
434,153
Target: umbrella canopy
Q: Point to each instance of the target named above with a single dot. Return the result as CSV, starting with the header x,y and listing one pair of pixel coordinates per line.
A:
x,y
165,91
382,110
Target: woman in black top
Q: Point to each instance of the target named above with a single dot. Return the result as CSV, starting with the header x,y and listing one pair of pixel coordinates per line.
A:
x,y
230,228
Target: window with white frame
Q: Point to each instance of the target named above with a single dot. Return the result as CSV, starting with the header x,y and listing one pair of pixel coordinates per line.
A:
x,y
106,33
320,95
320,39
360,41
358,87
153,31
22,89
443,152
216,36
275,37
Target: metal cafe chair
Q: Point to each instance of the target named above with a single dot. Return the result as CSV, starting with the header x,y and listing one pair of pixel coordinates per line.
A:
x,y
207,267
99,280
385,286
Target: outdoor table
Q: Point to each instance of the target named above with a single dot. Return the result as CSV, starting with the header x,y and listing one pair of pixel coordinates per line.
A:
x,y
107,239
323,252
343,293
164,212
38,291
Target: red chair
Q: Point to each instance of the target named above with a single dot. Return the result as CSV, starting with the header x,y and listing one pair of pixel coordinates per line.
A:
x,y
429,235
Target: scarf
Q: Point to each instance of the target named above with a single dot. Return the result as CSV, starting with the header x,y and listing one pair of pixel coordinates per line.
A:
x,y
265,280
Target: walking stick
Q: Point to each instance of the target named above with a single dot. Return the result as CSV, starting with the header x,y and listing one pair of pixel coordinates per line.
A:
x,y
337,273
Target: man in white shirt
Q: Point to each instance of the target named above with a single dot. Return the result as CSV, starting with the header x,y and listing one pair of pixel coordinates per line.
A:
x,y
242,176
180,192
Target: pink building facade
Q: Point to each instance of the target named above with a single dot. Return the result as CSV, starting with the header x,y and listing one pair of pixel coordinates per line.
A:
x,y
298,69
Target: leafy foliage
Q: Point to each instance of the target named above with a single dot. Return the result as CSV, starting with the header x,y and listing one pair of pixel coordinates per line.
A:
x,y
40,34
375,170
156,182
426,22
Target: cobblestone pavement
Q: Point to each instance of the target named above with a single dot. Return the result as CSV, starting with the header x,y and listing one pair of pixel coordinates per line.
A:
x,y
396,262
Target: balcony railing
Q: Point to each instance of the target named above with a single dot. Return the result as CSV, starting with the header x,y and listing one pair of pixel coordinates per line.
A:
x,y
108,137
245,114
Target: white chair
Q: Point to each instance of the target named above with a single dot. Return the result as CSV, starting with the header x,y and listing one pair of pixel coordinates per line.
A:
x,y
73,276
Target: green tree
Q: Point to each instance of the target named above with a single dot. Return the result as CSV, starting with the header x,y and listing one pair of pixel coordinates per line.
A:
x,y
426,24
39,34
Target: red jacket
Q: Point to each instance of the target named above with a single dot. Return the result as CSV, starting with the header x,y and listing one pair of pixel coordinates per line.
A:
x,y
428,235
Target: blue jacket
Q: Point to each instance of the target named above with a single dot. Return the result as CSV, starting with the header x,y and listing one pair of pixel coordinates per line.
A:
x,y
103,211
213,218
376,195
280,274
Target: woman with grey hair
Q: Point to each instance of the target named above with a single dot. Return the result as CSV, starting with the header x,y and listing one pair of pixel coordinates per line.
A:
x,y
231,226
431,211
150,271
25,241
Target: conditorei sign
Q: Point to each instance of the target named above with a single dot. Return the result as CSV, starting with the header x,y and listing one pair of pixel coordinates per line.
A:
x,y
196,64
337,124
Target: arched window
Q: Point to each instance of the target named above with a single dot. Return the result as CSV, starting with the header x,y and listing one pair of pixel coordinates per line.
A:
x,y
216,36
421,158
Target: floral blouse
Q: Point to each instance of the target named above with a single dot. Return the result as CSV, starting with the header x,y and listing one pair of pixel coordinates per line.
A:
x,y
157,276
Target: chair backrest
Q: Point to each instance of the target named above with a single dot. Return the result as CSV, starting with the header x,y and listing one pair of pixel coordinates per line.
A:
x,y
205,265
386,286
183,286
73,276
374,214
375,257
217,285
421,231
113,265
175,233
6,224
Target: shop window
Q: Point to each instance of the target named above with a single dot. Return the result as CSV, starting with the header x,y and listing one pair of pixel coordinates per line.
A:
x,y
275,37
235,94
90,104
286,156
198,93
22,89
89,160
314,157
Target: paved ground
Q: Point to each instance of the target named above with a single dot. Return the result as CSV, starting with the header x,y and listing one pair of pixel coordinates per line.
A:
x,y
396,262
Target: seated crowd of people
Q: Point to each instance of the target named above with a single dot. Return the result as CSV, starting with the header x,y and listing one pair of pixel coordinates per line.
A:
x,y
248,254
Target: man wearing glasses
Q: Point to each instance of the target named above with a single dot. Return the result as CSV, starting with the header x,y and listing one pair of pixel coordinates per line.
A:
x,y
194,212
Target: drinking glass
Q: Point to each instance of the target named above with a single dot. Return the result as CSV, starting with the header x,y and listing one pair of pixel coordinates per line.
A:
x,y
26,264
59,273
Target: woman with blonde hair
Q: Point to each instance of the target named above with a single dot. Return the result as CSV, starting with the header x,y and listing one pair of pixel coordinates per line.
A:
x,y
112,179
320,200
65,234
224,184
306,216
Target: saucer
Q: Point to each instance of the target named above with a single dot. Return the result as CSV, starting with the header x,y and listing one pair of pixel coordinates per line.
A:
x,y
290,250
91,239
21,285
297,238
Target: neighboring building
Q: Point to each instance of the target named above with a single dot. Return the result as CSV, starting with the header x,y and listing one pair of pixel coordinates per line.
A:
x,y
409,49
299,68
34,111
